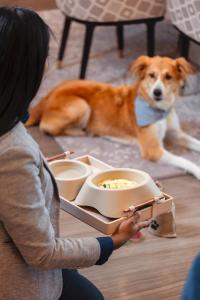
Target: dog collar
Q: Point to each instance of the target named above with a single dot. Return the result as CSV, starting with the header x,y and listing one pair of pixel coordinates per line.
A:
x,y
147,115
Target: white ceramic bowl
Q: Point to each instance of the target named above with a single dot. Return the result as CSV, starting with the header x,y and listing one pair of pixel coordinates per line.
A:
x,y
70,176
111,203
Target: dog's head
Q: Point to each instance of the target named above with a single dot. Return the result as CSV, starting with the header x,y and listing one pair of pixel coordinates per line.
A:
x,y
160,79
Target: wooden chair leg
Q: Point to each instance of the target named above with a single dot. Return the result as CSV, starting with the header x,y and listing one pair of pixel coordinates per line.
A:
x,y
184,44
86,50
63,43
151,37
120,39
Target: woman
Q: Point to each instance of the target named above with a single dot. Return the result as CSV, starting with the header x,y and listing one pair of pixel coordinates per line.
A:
x,y
34,260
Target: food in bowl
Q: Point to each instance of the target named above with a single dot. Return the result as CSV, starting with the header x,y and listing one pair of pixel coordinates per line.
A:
x,y
112,202
115,184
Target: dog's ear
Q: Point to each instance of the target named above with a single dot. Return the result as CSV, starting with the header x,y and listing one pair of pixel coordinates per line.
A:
x,y
139,66
184,68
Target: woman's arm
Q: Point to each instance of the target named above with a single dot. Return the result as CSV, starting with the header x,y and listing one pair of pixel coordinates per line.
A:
x,y
27,220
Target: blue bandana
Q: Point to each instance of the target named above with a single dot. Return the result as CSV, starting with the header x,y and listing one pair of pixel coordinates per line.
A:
x,y
147,115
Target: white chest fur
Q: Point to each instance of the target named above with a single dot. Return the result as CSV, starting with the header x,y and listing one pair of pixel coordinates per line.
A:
x,y
161,127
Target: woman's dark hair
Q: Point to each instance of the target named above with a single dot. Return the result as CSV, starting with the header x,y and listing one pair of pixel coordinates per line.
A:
x,y
24,43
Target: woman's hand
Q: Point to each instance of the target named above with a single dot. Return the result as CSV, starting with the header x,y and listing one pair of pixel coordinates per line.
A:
x,y
127,229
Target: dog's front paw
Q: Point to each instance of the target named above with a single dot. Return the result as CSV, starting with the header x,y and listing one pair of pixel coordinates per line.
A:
x,y
197,174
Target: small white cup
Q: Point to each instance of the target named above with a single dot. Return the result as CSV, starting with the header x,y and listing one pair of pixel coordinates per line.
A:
x,y
70,176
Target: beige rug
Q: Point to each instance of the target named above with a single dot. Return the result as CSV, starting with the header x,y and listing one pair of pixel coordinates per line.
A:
x,y
104,65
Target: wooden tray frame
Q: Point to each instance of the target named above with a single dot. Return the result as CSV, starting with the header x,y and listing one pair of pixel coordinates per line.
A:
x,y
101,223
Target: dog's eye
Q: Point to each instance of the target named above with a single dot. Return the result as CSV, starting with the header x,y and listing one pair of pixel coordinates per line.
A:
x,y
152,75
168,76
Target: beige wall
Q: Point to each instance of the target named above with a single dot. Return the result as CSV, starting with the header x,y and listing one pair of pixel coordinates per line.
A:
x,y
34,4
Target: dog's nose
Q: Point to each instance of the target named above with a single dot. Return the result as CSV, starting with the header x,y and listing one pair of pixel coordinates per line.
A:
x,y
157,93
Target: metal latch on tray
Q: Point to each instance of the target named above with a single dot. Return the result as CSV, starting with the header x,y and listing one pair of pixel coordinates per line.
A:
x,y
144,205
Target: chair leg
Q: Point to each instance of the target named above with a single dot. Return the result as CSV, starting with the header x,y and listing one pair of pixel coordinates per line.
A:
x,y
120,39
151,37
184,44
63,43
86,50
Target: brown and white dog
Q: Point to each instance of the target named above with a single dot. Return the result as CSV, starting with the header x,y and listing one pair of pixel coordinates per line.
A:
x,y
143,112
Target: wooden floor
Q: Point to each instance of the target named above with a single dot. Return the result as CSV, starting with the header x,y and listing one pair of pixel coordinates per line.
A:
x,y
154,269
34,4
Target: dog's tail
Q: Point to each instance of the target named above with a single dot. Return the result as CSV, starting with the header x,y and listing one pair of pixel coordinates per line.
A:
x,y
35,112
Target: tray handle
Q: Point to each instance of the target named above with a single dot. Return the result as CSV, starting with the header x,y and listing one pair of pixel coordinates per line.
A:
x,y
64,155
133,209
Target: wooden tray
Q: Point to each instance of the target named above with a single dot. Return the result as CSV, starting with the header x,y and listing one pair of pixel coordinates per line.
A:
x,y
101,223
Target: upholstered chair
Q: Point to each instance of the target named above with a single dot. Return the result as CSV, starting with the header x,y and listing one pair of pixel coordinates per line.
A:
x,y
92,13
185,16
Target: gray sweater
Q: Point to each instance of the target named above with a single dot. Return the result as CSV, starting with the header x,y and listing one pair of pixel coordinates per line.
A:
x,y
31,252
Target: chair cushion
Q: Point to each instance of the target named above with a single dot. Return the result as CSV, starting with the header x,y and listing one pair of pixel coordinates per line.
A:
x,y
112,10
185,15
